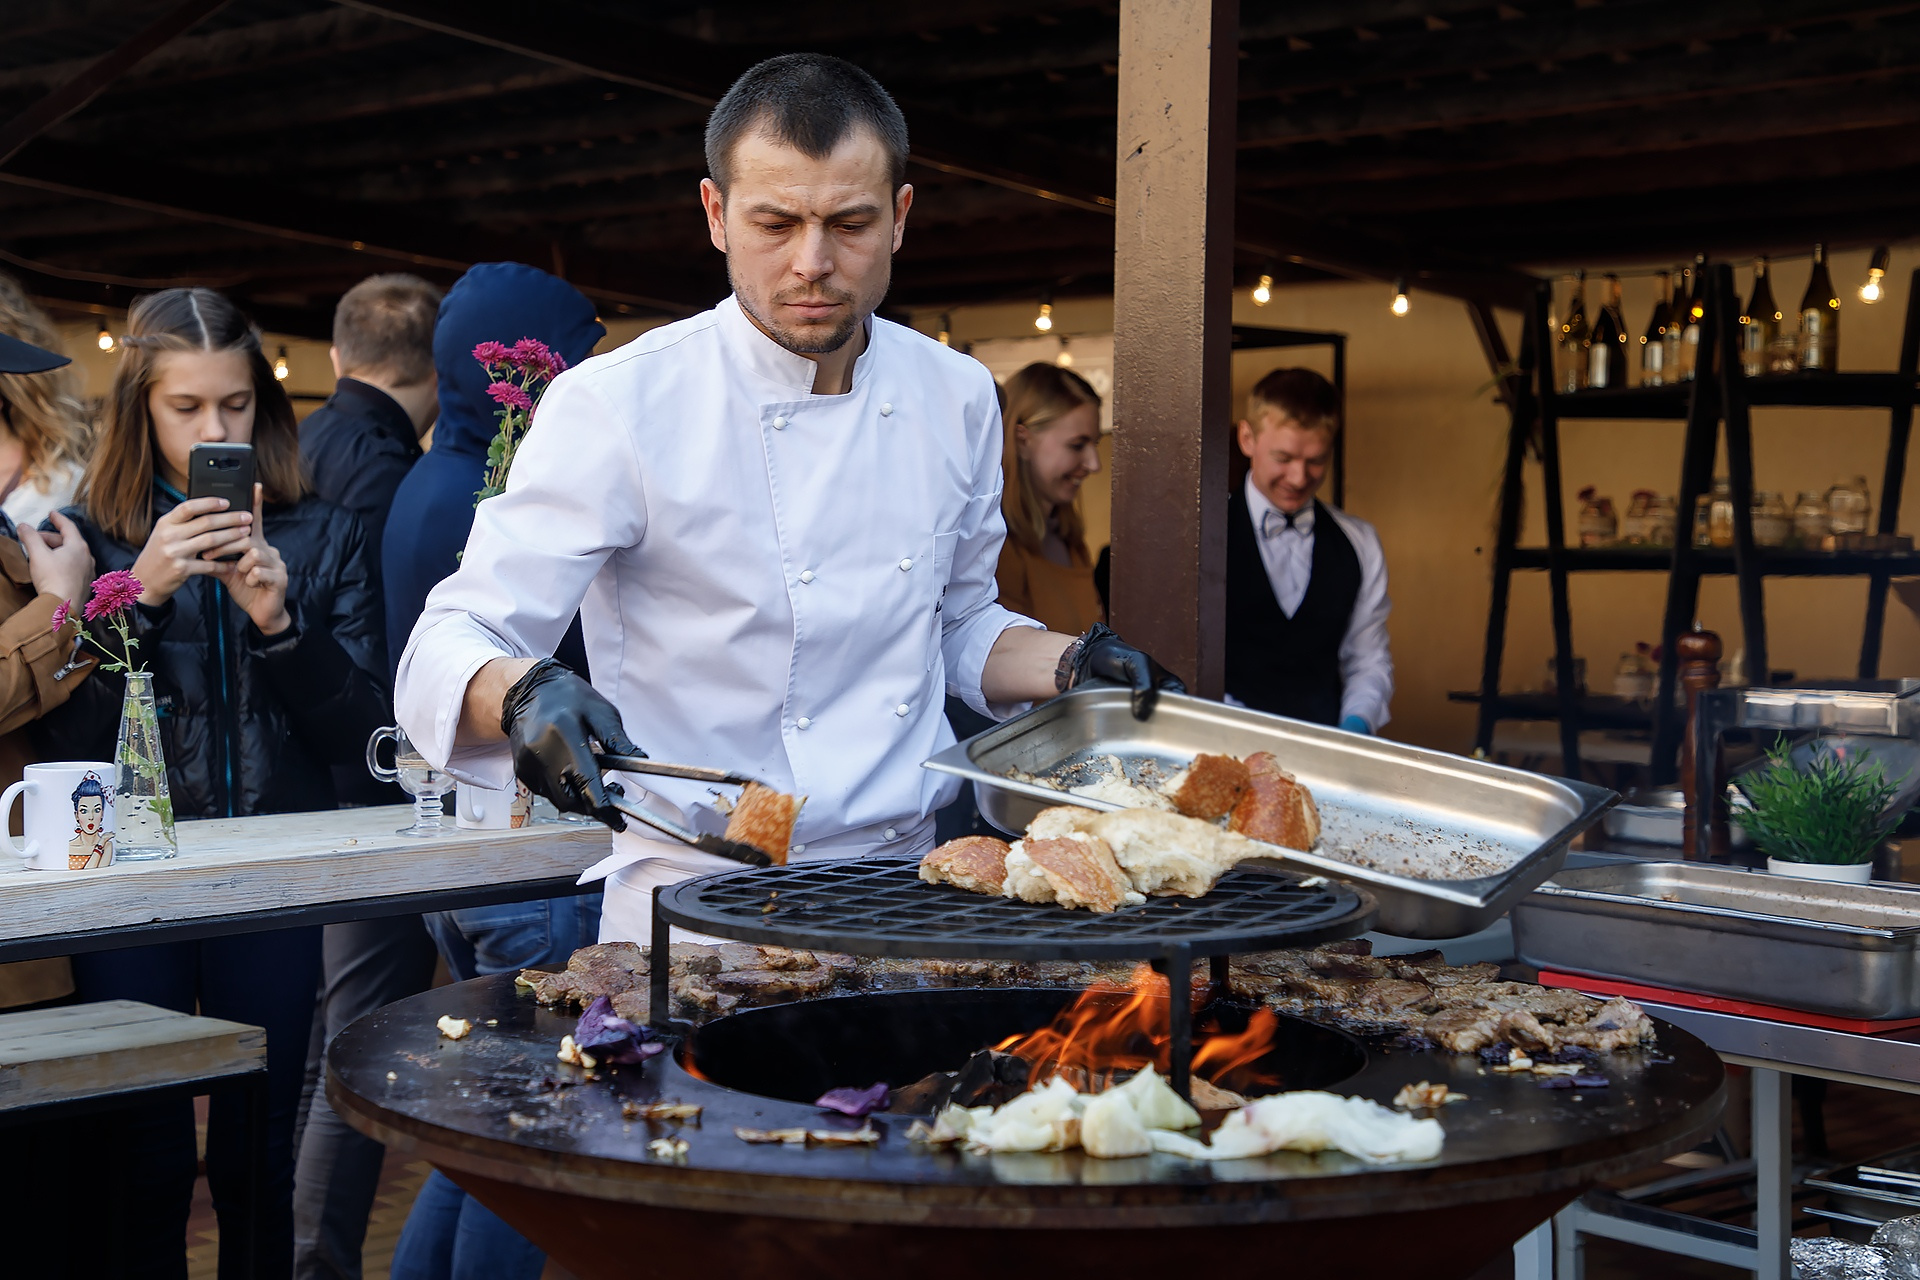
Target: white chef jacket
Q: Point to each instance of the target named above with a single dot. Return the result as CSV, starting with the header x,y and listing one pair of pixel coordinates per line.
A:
x,y
775,582
1366,663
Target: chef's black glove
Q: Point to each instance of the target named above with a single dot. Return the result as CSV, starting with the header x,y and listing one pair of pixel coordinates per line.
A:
x,y
1102,655
553,719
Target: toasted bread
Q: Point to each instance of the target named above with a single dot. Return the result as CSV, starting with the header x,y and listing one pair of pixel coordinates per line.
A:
x,y
976,863
1081,872
763,818
1276,807
1212,786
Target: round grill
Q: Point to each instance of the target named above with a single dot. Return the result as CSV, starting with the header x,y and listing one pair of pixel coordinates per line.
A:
x,y
880,907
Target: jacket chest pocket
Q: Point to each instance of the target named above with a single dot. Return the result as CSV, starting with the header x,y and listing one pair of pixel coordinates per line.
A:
x,y
944,546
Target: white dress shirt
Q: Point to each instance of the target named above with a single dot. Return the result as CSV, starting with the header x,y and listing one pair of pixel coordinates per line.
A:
x,y
775,582
1366,665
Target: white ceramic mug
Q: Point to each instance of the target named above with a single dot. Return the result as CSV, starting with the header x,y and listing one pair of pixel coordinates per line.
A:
x,y
69,815
481,809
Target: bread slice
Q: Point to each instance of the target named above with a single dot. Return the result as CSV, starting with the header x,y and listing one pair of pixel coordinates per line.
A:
x,y
1168,855
1276,807
1081,872
763,818
1210,788
974,863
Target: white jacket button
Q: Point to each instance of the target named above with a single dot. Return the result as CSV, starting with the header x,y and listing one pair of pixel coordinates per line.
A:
x,y
798,848
902,709
803,723
905,565
891,834
806,575
780,423
886,410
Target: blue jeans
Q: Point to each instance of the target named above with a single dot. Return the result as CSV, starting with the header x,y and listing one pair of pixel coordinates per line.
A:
x,y
449,1235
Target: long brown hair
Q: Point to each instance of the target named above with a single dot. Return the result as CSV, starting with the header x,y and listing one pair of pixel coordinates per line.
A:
x,y
1035,398
118,489
44,409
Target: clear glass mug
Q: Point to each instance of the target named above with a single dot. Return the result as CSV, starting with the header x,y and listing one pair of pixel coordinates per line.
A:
x,y
416,776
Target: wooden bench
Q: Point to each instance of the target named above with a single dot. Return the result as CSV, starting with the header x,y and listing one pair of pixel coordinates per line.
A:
x,y
90,1057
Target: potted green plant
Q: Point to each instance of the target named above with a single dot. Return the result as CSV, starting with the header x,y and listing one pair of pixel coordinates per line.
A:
x,y
1821,822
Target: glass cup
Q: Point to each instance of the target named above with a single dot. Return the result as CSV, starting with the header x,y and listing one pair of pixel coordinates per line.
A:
x,y
416,776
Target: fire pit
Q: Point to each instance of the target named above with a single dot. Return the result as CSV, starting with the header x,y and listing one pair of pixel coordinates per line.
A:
x,y
552,1152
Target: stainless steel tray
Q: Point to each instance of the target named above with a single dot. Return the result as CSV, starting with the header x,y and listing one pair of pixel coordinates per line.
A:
x,y
1388,801
1658,817
1843,949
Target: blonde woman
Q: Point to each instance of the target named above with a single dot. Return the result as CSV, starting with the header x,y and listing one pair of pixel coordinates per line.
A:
x,y
1052,420
43,424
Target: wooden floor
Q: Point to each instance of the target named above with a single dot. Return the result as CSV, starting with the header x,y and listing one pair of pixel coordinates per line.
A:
x,y
1861,1123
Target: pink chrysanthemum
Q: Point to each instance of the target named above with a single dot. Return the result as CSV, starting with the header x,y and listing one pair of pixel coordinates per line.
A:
x,y
513,397
536,356
113,593
61,612
491,353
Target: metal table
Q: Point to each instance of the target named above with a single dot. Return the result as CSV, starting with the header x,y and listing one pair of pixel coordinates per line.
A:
x,y
245,875
1776,1052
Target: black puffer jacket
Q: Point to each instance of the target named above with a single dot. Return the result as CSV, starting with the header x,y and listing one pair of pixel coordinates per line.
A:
x,y
250,722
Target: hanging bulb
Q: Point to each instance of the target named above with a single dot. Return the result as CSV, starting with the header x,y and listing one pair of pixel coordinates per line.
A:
x,y
105,340
1044,321
946,329
1400,303
1263,290
280,365
1065,358
1876,271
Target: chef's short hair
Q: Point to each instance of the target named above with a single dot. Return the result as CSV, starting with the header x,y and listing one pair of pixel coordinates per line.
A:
x,y
807,101
384,326
1308,399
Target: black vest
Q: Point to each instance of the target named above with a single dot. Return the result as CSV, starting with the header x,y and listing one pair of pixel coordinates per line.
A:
x,y
1289,666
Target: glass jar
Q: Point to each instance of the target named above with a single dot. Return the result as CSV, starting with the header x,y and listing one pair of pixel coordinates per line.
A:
x,y
1634,677
1713,516
1599,524
1661,518
1810,518
1848,506
1633,525
1772,520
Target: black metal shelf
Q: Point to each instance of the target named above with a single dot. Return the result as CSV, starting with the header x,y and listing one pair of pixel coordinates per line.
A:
x,y
1591,710
1722,398
1720,560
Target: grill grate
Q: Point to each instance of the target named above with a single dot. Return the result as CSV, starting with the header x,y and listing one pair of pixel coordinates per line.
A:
x,y
880,906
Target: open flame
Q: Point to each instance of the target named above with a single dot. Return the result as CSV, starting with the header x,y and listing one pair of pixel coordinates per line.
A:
x,y
1112,1031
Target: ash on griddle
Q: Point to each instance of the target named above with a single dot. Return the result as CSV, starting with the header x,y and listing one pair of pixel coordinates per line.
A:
x,y
990,1078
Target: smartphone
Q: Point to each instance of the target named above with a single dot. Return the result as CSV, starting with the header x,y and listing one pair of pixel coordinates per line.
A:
x,y
222,471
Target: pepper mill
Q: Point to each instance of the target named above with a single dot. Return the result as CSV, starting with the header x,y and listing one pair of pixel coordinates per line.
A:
x,y
1699,653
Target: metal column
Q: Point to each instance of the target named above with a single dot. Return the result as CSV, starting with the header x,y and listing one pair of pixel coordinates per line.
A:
x,y
1773,1163
1172,331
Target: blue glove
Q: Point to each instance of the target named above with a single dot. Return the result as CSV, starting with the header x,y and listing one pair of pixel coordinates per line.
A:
x,y
1355,724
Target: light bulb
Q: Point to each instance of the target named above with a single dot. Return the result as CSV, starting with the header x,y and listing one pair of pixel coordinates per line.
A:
x,y
280,365
1065,358
1400,303
1044,321
1876,271
946,330
1263,291
105,339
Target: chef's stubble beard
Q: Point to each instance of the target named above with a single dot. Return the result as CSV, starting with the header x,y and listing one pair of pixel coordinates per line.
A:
x,y
810,345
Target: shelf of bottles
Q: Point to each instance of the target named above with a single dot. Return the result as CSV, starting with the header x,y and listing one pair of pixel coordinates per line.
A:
x,y
1789,358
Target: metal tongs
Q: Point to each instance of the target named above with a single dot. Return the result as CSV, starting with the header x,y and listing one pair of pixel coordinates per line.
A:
x,y
737,850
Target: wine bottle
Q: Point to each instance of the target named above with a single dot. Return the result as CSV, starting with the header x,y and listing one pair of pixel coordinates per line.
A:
x,y
1570,348
1682,299
1759,324
1820,318
1693,323
1607,349
1653,343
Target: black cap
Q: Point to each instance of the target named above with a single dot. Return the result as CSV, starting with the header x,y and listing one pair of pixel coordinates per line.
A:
x,y
23,357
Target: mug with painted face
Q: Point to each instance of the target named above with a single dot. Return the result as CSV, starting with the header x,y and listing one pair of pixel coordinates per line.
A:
x,y
68,815
483,809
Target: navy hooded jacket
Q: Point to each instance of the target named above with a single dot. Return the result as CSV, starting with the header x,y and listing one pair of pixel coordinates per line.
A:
x,y
432,510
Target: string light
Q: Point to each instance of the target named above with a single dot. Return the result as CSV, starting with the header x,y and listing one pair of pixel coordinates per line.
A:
x,y
1876,271
280,365
1263,290
1400,303
1044,321
946,329
105,340
1065,358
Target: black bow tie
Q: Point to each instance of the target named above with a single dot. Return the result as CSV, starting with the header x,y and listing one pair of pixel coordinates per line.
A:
x,y
1276,521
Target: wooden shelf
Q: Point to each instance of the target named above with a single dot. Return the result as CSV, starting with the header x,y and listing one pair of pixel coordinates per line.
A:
x,y
1591,710
1719,560
1804,390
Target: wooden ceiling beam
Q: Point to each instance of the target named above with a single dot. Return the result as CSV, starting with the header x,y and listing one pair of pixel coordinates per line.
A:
x,y
30,18
1263,231
1565,36
99,75
1530,94
782,22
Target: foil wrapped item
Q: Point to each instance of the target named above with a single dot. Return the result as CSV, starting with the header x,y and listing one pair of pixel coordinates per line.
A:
x,y
1900,1237
1830,1258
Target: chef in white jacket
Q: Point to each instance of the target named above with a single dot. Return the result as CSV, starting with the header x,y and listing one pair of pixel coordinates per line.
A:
x,y
779,522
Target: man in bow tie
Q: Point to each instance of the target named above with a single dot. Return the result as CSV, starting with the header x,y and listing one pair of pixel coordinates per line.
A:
x,y
1306,584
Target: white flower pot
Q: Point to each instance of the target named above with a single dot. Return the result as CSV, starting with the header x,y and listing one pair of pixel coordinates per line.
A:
x,y
1844,872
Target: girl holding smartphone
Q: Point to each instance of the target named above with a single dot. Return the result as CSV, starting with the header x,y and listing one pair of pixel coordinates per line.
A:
x,y
268,670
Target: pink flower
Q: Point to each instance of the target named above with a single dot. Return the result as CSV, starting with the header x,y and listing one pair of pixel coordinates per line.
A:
x,y
61,612
530,353
113,593
511,396
491,353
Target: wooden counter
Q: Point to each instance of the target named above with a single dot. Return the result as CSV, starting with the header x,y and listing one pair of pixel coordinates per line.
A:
x,y
240,875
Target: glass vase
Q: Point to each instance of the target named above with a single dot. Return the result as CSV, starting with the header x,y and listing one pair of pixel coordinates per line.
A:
x,y
143,810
